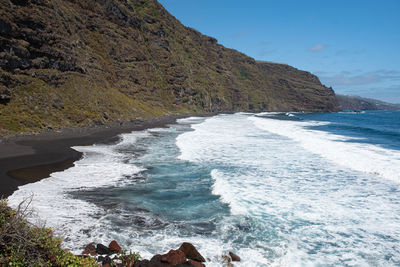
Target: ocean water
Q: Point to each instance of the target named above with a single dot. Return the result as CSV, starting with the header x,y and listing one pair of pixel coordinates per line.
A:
x,y
294,189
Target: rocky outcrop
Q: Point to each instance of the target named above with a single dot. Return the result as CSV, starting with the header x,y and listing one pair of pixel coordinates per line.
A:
x,y
349,102
70,62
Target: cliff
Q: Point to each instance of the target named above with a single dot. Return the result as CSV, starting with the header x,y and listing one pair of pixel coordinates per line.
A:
x,y
349,102
73,63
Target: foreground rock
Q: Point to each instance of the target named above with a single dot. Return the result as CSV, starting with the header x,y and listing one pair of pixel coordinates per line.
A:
x,y
233,256
174,257
185,255
191,252
90,249
114,247
196,263
103,250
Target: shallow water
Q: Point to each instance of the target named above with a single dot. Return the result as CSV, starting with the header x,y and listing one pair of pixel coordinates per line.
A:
x,y
277,189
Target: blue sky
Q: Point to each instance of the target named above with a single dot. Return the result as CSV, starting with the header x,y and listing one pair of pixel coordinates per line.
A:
x,y
353,46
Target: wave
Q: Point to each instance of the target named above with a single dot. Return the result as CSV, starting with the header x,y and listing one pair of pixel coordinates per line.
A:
x,y
342,150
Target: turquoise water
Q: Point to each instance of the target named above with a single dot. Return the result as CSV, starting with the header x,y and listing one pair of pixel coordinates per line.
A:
x,y
278,189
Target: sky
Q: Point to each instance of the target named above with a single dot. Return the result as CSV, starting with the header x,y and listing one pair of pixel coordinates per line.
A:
x,y
353,46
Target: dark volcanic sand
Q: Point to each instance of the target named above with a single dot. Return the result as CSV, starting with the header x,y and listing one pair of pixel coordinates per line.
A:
x,y
27,159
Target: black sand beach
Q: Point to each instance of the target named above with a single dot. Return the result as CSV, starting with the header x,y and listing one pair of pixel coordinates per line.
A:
x,y
29,158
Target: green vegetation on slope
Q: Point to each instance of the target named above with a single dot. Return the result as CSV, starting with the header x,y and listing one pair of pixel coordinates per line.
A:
x,y
72,63
24,244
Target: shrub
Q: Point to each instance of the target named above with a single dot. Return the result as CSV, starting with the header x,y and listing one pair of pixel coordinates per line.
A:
x,y
25,244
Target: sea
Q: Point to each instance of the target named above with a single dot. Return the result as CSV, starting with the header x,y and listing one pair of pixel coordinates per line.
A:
x,y
277,189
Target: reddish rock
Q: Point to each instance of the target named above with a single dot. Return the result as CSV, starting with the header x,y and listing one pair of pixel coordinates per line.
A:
x,y
90,249
174,257
234,257
191,252
114,247
155,261
196,263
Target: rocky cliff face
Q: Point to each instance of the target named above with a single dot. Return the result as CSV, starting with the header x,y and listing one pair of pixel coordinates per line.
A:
x,y
71,62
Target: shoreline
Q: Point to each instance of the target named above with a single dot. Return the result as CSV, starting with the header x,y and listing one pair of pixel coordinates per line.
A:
x,y
29,158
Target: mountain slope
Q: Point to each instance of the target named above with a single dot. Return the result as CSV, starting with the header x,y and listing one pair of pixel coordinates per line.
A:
x,y
69,62
349,102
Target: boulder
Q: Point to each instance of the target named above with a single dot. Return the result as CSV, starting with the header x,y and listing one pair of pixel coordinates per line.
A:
x,y
156,262
90,249
196,263
142,263
174,257
185,264
191,252
102,250
234,257
114,247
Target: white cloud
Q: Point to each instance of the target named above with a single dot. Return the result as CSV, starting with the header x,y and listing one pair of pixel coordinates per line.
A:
x,y
317,48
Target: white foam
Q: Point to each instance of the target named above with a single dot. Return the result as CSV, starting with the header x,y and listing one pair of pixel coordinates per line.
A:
x,y
354,155
100,166
289,206
190,120
299,198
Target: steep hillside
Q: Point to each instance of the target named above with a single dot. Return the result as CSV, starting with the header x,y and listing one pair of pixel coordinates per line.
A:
x,y
349,102
71,63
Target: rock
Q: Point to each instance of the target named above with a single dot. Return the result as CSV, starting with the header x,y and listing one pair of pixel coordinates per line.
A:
x,y
196,263
174,257
142,263
101,249
90,249
185,264
114,247
156,262
191,252
234,257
